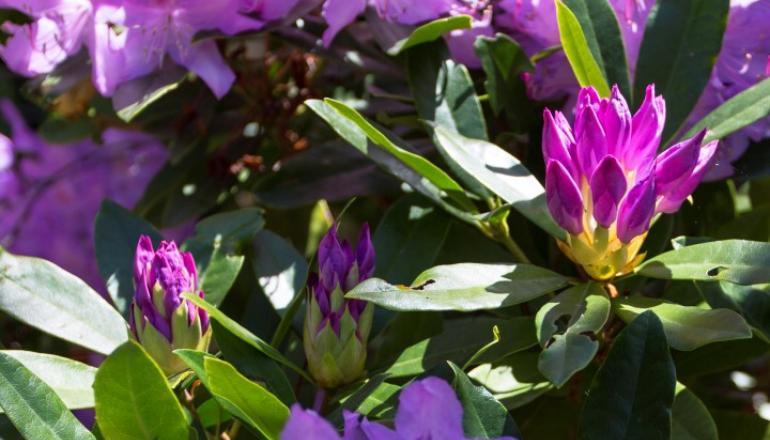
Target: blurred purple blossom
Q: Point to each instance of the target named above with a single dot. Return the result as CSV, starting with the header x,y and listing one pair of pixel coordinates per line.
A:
x,y
428,409
50,187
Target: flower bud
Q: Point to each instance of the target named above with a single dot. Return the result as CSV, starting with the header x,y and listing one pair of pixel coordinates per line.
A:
x,y
160,319
604,184
336,329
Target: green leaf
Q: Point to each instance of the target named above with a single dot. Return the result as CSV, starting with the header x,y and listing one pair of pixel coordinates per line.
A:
x,y
632,393
418,172
483,415
460,340
133,399
737,261
33,407
691,419
71,380
681,41
753,302
242,333
586,68
279,268
431,31
507,386
463,287
602,33
687,328
220,274
373,398
116,233
503,61
45,296
741,110
253,363
711,358
245,399
231,227
502,173
409,238
565,325
151,87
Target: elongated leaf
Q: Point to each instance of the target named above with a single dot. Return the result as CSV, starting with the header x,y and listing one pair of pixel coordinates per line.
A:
x,y
502,173
71,380
243,334
116,234
753,302
510,389
586,68
232,226
245,399
581,311
220,274
33,407
373,398
691,419
741,110
711,358
737,261
423,176
133,399
687,328
280,269
632,394
463,287
681,42
503,61
43,295
483,415
430,32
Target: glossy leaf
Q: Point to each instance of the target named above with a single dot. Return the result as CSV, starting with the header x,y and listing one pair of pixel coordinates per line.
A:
x,y
503,61
632,393
231,227
463,287
691,419
71,380
483,415
681,41
279,268
133,399
430,32
33,407
245,399
737,261
46,297
587,69
502,173
565,325
372,398
687,328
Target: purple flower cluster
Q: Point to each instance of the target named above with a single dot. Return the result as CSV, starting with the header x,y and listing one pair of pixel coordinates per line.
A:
x,y
428,409
132,38
48,187
604,182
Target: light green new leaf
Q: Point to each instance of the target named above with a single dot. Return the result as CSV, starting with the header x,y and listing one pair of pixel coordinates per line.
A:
x,y
686,327
462,287
431,31
134,400
245,399
45,296
573,40
33,407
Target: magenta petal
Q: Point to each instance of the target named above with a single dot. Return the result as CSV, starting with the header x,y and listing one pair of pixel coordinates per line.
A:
x,y
563,198
647,125
558,140
591,140
307,424
636,210
587,97
204,59
365,254
338,14
429,409
608,185
676,164
142,257
616,120
671,200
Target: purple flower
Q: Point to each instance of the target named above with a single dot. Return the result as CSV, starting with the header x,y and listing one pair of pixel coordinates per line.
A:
x,y
428,409
160,319
604,183
336,329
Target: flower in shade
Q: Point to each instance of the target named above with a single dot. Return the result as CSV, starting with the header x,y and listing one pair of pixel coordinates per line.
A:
x,y
336,329
604,183
161,320
428,409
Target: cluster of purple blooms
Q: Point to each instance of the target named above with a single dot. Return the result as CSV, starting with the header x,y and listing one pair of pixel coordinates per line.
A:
x,y
428,409
51,193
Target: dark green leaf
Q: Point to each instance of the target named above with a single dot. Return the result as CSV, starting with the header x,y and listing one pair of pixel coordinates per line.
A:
x,y
753,302
279,268
483,415
712,359
33,407
503,61
462,287
43,295
741,425
632,393
587,69
373,398
133,399
431,31
231,227
691,419
681,42
116,234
